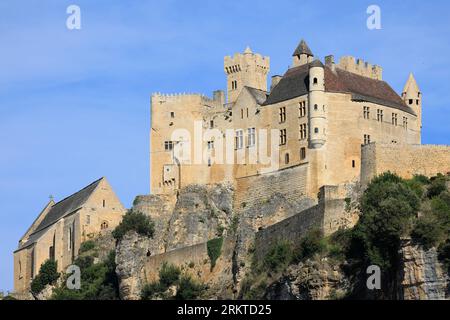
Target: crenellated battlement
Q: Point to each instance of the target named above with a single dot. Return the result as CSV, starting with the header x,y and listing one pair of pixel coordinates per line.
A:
x,y
359,66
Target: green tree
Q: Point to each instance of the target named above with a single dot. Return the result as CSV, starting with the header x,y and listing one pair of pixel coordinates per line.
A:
x,y
48,274
137,221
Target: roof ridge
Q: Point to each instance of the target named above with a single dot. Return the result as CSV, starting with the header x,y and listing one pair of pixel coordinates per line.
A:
x,y
75,193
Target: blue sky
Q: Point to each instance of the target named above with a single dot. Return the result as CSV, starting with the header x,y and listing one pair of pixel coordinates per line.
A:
x,y
74,105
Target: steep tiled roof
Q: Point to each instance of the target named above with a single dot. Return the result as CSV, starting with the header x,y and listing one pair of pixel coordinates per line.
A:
x,y
259,95
302,48
67,205
295,83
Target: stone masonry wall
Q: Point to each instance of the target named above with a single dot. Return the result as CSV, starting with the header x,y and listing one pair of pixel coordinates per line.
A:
x,y
194,260
404,160
335,210
290,182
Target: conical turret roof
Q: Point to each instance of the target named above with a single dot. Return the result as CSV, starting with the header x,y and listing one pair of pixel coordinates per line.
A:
x,y
302,48
411,85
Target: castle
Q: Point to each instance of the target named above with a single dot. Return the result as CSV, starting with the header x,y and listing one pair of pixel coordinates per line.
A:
x,y
316,134
316,116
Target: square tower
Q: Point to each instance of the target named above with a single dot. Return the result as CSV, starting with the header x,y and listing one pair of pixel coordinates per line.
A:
x,y
247,69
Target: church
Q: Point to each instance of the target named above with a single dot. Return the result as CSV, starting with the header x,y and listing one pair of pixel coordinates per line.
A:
x,y
62,226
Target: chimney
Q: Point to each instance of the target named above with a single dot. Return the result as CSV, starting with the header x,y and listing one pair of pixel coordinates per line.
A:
x,y
219,95
275,80
329,62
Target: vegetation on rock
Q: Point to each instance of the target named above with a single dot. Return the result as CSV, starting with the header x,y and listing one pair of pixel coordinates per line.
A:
x,y
134,221
48,275
98,281
185,288
214,247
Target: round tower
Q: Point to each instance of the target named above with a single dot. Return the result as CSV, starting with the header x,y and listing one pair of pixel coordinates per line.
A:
x,y
317,105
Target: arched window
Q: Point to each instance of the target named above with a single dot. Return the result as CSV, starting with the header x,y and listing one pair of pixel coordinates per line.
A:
x,y
316,107
286,158
315,80
104,225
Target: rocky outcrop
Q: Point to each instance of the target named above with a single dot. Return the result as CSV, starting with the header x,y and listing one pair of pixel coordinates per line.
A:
x,y
200,214
422,276
131,252
262,214
315,279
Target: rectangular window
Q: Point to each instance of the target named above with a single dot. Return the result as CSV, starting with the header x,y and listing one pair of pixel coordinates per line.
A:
x,y
394,119
379,115
302,153
210,145
282,136
405,122
303,131
247,112
242,113
366,112
302,109
282,114
88,219
172,114
211,124
239,142
251,137
168,145
366,138
353,164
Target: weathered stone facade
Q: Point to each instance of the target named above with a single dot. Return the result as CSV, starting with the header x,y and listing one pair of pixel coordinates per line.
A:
x,y
318,115
61,227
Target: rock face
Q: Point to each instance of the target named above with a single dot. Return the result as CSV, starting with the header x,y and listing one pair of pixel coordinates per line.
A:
x,y
131,252
315,279
256,217
422,276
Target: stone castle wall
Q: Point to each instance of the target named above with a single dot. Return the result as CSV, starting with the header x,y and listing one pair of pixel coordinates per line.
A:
x,y
194,261
291,182
333,211
404,160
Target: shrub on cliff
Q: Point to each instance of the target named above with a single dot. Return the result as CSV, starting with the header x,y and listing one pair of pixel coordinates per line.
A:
x,y
214,248
312,243
136,221
278,257
188,289
86,246
169,275
98,281
48,274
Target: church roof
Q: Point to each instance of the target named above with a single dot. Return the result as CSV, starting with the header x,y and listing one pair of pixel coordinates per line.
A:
x,y
295,83
302,48
63,208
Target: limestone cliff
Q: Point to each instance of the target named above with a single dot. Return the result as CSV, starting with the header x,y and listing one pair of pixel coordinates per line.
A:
x,y
422,276
314,279
130,256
